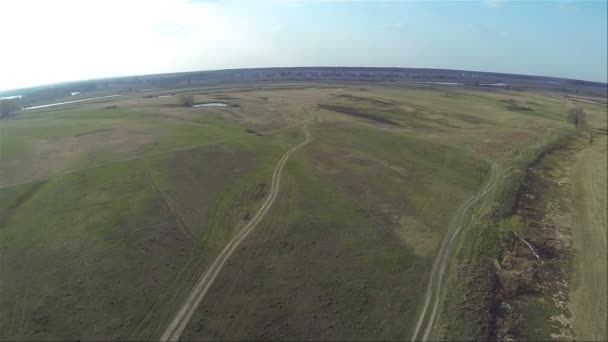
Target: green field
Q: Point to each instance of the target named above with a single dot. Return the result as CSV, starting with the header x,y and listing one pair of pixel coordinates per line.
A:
x,y
590,234
108,216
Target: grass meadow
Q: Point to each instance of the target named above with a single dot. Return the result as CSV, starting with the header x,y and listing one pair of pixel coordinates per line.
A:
x,y
110,210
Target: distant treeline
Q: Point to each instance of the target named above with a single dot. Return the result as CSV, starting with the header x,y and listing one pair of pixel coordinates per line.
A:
x,y
124,84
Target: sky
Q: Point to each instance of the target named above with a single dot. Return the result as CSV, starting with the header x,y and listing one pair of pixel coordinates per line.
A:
x,y
49,41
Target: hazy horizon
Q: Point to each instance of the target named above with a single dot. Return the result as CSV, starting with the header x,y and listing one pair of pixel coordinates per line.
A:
x,y
276,67
66,40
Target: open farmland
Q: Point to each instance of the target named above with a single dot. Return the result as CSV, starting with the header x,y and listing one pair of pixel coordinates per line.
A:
x,y
110,211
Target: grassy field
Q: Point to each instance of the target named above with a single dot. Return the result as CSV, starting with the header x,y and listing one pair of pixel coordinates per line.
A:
x,y
101,245
590,229
530,298
83,253
321,264
109,211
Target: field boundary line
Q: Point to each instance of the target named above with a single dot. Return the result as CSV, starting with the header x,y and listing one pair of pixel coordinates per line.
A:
x,y
182,225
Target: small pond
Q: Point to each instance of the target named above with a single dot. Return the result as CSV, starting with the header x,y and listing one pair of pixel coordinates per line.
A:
x,y
210,104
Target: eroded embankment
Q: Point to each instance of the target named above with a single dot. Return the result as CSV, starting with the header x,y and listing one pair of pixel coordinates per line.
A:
x,y
533,272
474,293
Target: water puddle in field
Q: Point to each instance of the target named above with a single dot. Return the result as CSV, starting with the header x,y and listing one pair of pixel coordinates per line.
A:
x,y
499,84
461,84
158,96
210,104
62,103
442,83
11,97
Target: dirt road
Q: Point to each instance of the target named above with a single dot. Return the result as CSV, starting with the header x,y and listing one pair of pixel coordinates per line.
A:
x,y
441,261
589,235
196,295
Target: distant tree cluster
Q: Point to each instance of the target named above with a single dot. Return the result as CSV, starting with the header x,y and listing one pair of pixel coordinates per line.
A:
x,y
186,100
577,117
8,107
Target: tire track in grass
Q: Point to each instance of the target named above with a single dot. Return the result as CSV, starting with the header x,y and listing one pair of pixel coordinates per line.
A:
x,y
441,261
196,295
178,218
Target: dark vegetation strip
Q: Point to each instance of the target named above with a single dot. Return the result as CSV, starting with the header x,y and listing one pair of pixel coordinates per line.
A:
x,y
358,113
366,99
519,108
94,132
528,274
476,95
472,296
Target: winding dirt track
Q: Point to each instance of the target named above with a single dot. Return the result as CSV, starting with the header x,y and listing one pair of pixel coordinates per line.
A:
x,y
441,261
184,314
